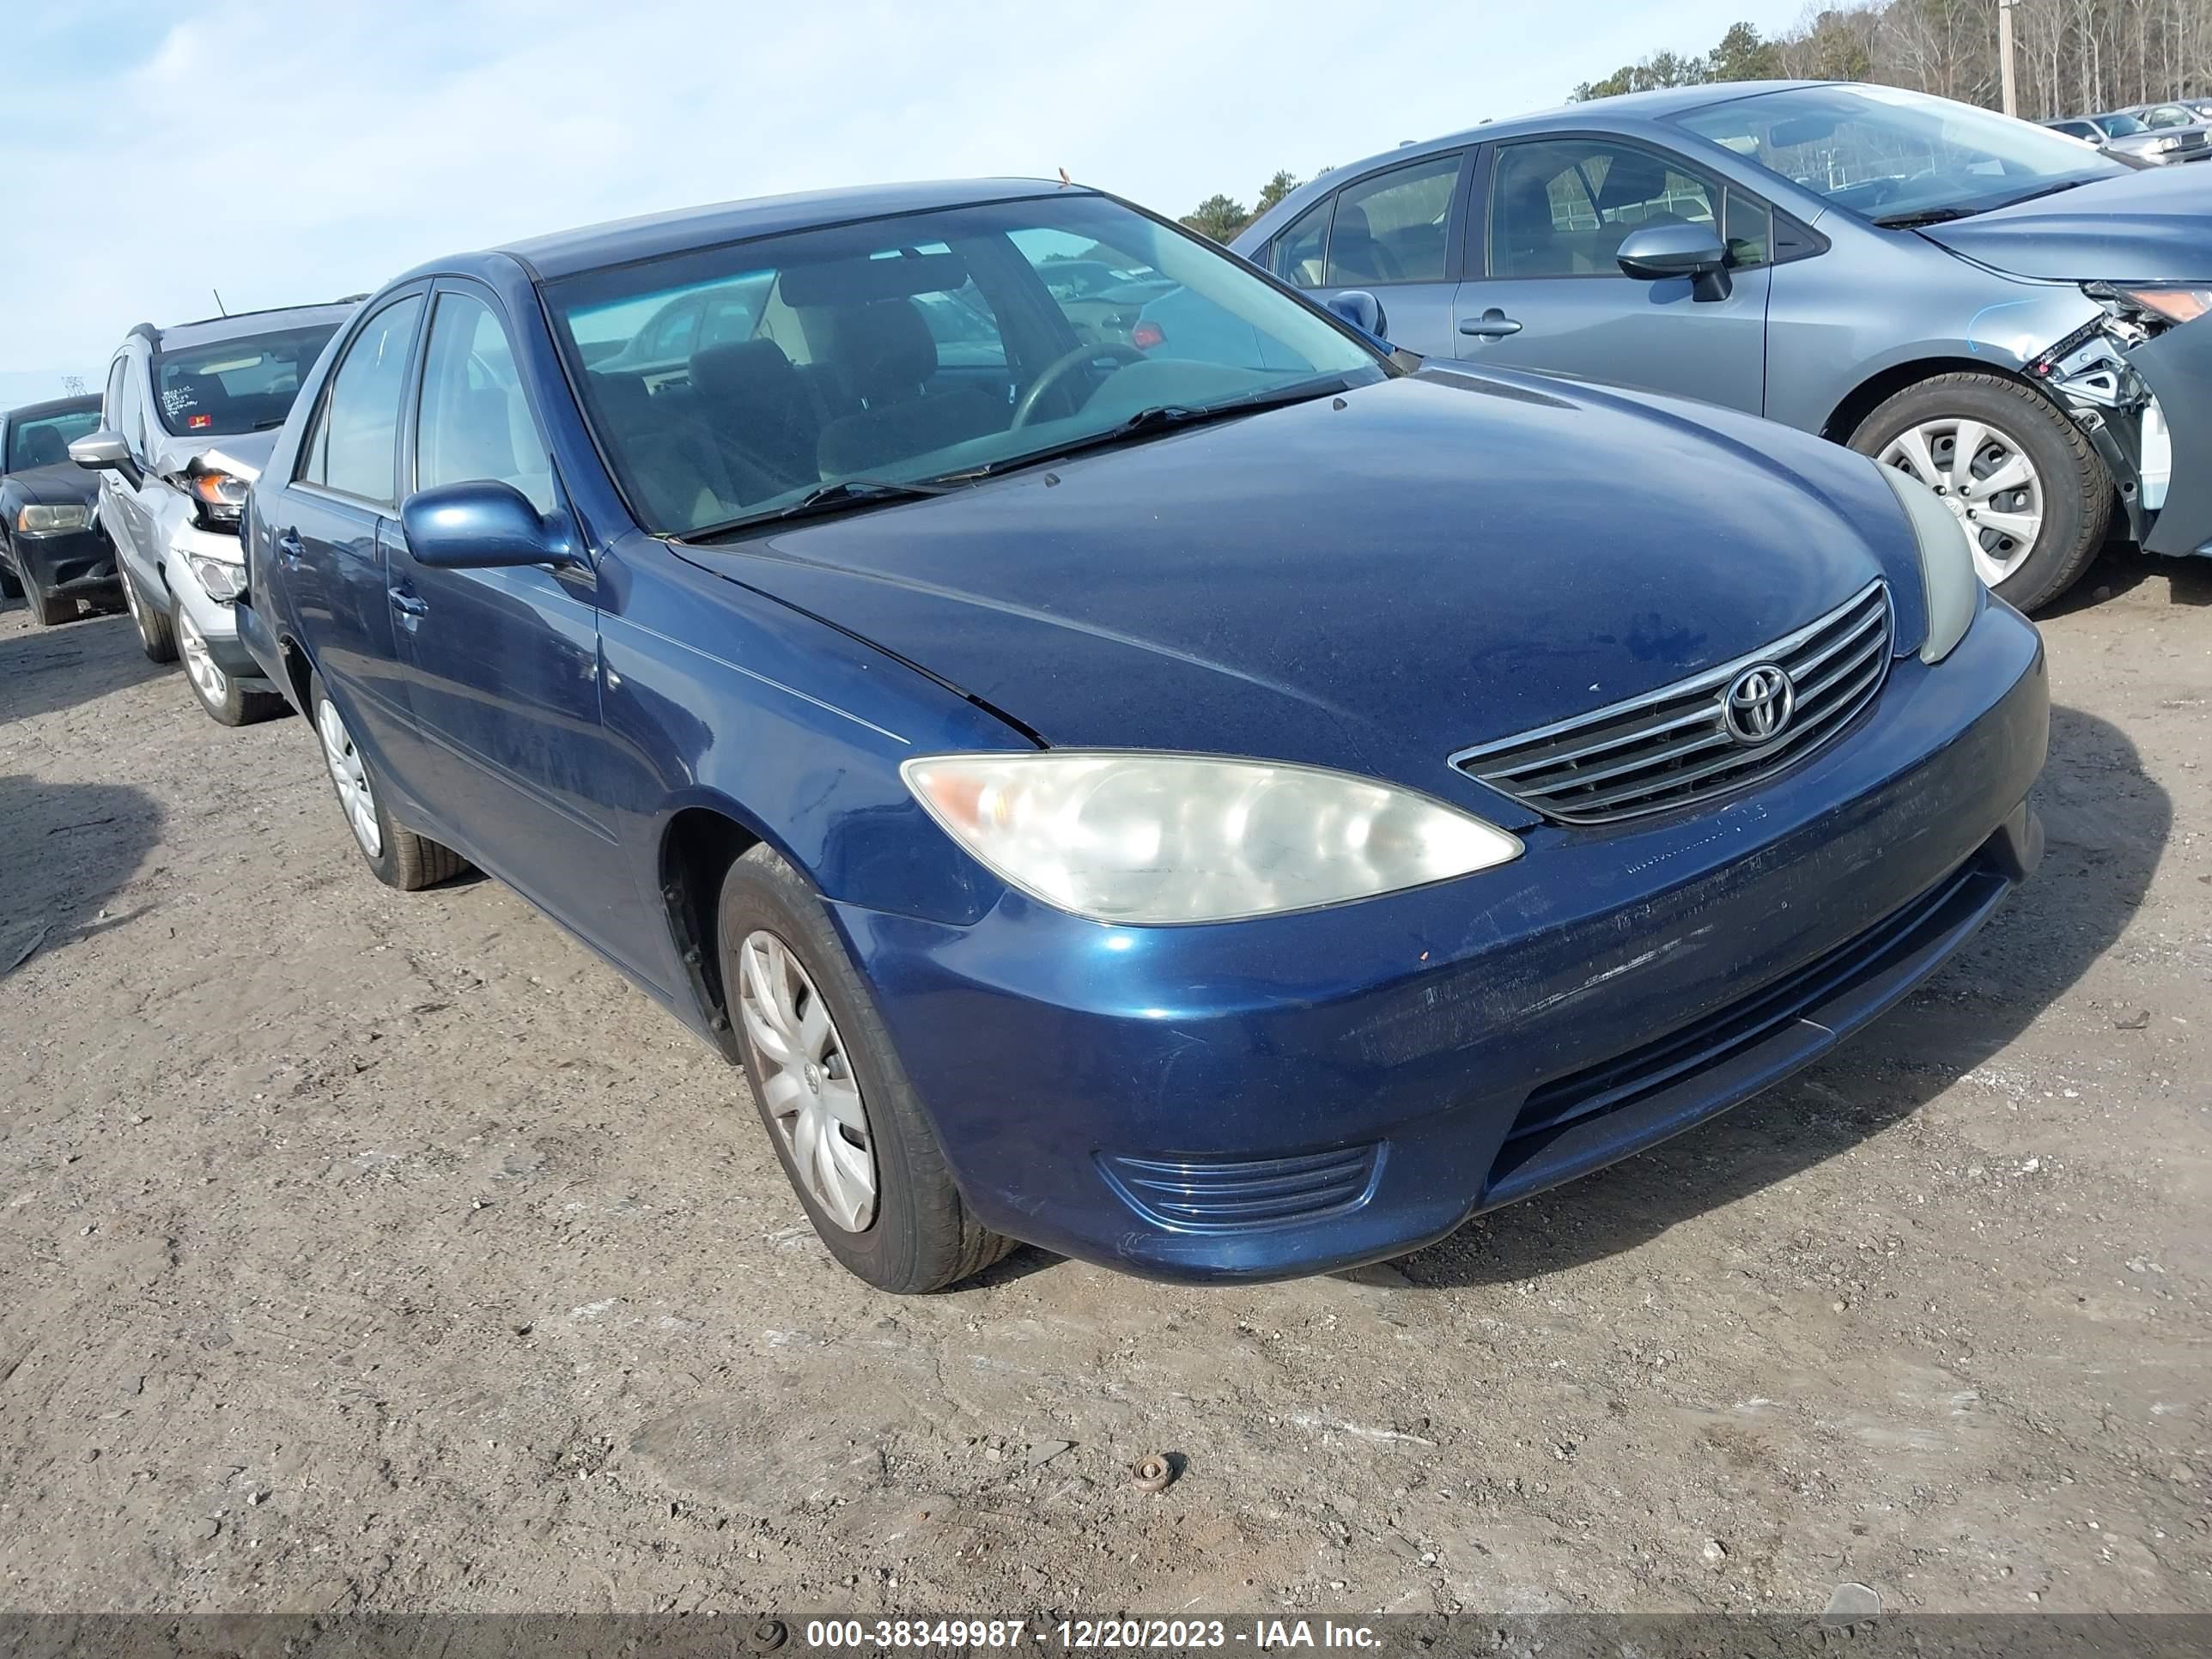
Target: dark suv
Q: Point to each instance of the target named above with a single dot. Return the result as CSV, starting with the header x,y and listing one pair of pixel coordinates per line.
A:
x,y
52,551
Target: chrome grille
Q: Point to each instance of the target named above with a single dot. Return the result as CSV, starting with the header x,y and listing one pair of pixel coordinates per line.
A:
x,y
1673,746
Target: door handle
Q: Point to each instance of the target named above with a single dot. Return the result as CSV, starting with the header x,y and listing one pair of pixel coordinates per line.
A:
x,y
407,605
1492,325
289,549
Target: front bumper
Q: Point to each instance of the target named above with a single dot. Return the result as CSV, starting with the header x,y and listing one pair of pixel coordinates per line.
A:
x,y
75,563
216,620
1262,1099
2177,367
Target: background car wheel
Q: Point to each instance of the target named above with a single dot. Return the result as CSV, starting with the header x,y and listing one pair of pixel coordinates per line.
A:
x,y
845,1122
156,637
228,699
2034,497
9,588
399,856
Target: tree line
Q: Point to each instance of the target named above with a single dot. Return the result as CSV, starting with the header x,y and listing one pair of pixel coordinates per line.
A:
x,y
2070,58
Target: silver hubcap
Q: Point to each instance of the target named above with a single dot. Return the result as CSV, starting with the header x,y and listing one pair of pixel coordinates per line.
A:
x,y
351,778
1986,479
208,679
807,1081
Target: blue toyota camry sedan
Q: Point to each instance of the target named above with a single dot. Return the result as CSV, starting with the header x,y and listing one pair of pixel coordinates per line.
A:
x,y
1224,806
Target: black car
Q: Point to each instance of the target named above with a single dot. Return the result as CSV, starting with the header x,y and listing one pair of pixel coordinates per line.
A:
x,y
52,549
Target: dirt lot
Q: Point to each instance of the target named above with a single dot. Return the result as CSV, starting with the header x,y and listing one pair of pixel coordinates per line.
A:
x,y
359,1249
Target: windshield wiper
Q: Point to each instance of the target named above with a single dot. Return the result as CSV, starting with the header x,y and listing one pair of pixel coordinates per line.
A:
x,y
1925,216
1157,417
1936,215
833,497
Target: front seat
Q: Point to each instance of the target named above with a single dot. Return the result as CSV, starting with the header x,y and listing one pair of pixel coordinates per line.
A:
x,y
748,392
1354,255
886,354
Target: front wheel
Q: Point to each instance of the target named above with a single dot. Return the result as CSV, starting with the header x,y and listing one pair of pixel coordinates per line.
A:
x,y
228,699
845,1124
395,855
2033,496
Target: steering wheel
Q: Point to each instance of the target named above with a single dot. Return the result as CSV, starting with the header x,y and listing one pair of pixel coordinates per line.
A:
x,y
1065,364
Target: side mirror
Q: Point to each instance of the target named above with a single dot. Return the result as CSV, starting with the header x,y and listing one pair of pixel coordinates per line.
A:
x,y
1361,309
480,526
1656,252
101,452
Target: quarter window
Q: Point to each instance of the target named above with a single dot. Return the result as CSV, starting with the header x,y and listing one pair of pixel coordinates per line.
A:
x,y
474,422
1393,227
1560,207
354,447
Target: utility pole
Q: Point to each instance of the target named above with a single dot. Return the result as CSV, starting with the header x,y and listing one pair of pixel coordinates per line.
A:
x,y
2004,57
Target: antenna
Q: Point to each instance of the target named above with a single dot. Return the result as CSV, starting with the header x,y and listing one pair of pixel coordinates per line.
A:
x,y
218,301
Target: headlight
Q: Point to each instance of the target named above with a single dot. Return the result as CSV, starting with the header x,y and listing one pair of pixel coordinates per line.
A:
x,y
216,496
1149,837
223,580
36,520
2175,305
1947,577
2166,146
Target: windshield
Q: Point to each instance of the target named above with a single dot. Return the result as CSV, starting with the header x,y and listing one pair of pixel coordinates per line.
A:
x,y
241,385
2121,126
1890,154
44,439
901,350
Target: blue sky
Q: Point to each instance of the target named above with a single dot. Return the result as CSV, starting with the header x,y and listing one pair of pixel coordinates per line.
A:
x,y
288,152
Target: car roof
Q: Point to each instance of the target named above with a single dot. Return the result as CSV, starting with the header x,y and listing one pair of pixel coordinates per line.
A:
x,y
622,241
210,331
75,406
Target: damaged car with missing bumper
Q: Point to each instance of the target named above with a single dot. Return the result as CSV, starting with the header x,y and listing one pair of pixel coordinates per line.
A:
x,y
1978,301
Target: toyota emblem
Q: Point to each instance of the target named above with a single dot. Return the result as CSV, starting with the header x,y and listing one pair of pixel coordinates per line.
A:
x,y
1759,702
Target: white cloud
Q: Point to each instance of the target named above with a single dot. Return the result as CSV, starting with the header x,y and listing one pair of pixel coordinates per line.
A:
x,y
283,152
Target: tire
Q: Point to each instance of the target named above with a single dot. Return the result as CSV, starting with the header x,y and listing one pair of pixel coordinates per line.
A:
x,y
156,637
400,858
9,588
228,699
920,1235
2075,488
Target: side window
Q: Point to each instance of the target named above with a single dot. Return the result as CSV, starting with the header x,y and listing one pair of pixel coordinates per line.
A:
x,y
354,449
475,422
1560,207
1750,229
1392,227
1298,254
724,319
672,334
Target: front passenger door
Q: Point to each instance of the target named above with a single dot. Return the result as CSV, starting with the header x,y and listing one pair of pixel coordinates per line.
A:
x,y
1555,297
504,663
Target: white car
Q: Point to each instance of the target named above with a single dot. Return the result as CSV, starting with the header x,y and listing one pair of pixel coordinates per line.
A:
x,y
187,418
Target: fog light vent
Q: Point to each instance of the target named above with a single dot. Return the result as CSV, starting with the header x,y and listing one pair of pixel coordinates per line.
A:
x,y
1215,1194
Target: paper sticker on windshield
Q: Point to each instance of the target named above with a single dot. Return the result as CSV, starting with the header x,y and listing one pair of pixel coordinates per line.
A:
x,y
194,423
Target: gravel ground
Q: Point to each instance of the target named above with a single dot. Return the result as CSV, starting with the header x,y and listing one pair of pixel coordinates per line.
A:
x,y
366,1250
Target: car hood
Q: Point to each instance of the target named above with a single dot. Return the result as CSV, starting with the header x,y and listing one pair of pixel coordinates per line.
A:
x,y
1369,582
58,485
2148,225
242,454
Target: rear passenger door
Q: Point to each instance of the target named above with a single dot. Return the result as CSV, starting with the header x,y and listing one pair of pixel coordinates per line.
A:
x,y
1545,291
1395,233
326,529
